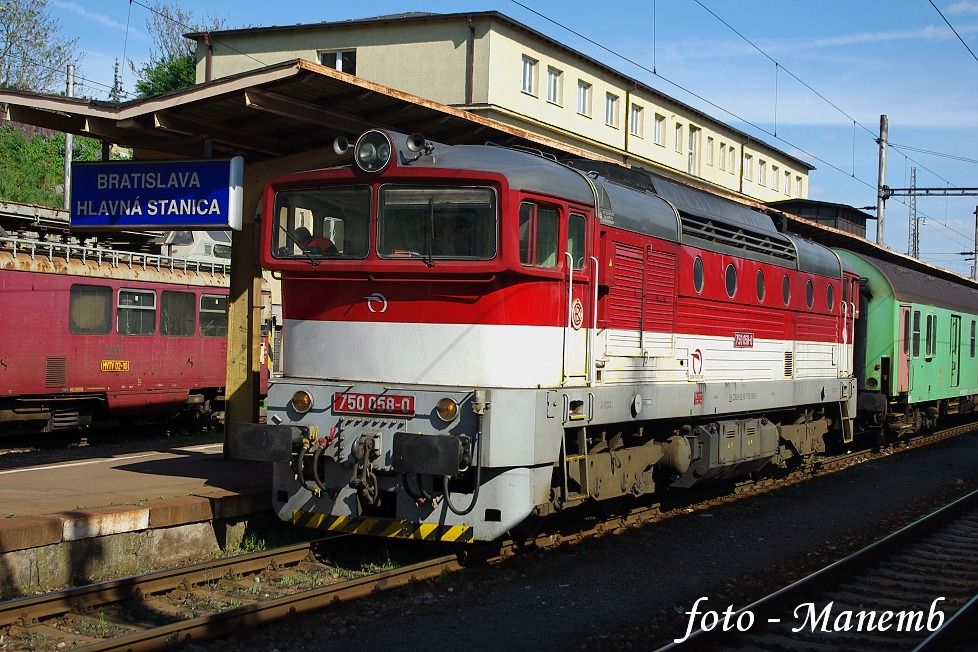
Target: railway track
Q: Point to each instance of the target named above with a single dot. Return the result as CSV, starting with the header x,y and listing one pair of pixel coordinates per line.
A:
x,y
215,598
916,589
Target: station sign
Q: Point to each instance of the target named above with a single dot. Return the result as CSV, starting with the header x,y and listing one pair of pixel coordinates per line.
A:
x,y
158,195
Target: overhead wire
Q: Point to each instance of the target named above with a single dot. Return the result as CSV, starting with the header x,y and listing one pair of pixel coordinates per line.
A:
x,y
966,46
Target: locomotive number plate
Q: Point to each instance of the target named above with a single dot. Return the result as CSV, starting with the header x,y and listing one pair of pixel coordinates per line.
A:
x,y
350,403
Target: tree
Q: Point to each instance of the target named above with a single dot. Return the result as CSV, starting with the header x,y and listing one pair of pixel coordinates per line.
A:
x,y
33,52
172,64
32,167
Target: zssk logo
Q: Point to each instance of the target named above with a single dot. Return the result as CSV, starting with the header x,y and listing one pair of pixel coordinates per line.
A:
x,y
376,302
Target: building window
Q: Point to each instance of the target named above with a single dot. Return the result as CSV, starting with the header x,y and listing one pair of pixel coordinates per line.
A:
x,y
761,173
136,312
732,162
774,178
787,182
529,83
679,137
748,167
90,310
584,98
213,315
344,61
723,156
636,121
797,186
555,86
709,150
538,235
660,129
611,110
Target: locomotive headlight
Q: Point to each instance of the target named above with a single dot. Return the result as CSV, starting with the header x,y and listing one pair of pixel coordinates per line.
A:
x,y
373,151
301,401
447,410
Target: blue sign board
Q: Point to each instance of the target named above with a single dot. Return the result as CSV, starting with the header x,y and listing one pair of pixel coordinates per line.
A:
x,y
159,195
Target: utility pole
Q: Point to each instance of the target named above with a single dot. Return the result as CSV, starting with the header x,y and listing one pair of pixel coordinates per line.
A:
x,y
69,140
880,196
913,248
974,265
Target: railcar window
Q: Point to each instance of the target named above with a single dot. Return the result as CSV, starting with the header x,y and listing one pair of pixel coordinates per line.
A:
x,y
136,312
322,223
760,285
972,338
90,310
786,289
177,314
830,298
575,240
538,235
698,275
213,315
931,339
809,293
730,280
437,223
916,333
906,332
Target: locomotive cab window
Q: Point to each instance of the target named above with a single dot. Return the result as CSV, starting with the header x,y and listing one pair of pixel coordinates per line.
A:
x,y
136,312
213,315
437,223
323,223
178,314
90,310
576,233
538,235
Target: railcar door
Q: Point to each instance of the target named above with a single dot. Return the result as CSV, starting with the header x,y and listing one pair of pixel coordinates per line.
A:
x,y
903,364
955,350
580,317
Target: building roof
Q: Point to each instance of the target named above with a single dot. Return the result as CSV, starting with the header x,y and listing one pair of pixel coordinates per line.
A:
x,y
414,17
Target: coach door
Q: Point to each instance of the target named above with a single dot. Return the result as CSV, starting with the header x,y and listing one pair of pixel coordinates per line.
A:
x,y
903,357
579,324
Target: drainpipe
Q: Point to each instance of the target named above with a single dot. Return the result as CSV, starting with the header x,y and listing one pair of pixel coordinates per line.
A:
x,y
208,62
470,64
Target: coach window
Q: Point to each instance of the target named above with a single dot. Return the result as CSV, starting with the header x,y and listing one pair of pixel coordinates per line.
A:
x,y
730,280
538,235
916,333
931,339
760,285
809,293
136,313
830,298
213,315
972,338
90,311
786,289
576,233
177,314
698,275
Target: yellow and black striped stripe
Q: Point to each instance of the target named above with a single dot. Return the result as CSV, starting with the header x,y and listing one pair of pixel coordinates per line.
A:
x,y
379,527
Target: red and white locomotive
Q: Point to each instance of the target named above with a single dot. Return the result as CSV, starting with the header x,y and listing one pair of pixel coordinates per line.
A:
x,y
483,334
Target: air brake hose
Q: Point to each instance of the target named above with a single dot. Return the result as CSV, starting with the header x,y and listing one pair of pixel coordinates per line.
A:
x,y
477,455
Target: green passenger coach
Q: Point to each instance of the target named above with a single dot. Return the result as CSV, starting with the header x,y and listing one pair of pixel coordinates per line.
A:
x,y
914,357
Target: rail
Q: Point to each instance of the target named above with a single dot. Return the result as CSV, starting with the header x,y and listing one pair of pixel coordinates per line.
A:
x,y
33,248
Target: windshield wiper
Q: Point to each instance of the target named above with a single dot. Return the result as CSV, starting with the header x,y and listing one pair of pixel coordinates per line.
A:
x,y
312,261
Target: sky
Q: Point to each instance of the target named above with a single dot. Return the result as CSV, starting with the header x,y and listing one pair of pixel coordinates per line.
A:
x,y
810,78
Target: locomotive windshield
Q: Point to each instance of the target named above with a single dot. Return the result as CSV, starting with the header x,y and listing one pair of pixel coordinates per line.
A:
x,y
437,223
322,223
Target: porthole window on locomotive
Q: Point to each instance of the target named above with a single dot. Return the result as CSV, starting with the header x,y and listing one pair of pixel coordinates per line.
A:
x,y
698,275
809,293
786,289
830,298
760,285
730,280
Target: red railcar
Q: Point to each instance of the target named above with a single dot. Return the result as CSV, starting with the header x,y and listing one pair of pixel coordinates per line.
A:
x,y
88,333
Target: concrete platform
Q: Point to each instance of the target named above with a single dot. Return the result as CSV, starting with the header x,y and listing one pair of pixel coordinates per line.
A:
x,y
43,508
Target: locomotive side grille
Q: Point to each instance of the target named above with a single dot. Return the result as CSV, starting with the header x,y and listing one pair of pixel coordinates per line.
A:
x,y
789,364
710,231
54,372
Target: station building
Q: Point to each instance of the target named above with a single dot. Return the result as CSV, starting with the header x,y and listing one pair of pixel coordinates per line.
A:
x,y
494,66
